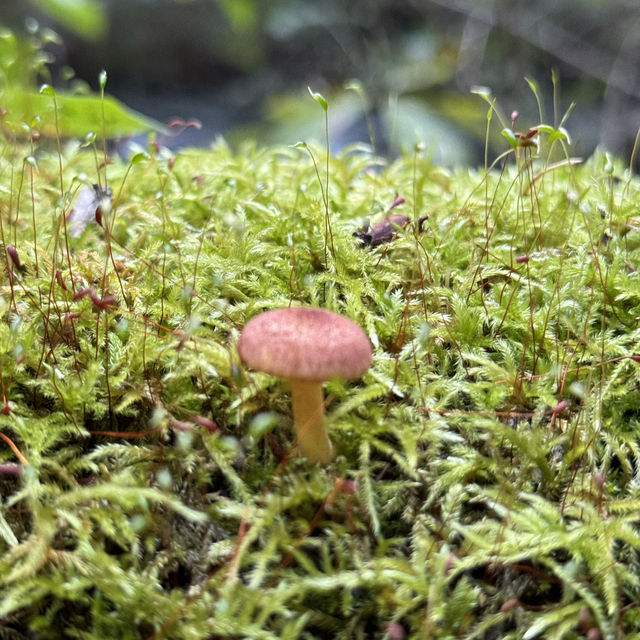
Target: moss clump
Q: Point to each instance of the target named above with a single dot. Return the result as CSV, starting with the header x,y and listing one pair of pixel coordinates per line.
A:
x,y
486,483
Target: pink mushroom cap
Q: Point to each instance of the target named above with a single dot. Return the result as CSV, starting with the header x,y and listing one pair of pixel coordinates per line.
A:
x,y
305,343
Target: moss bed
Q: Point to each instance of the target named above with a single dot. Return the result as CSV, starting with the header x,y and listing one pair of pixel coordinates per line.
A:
x,y
487,480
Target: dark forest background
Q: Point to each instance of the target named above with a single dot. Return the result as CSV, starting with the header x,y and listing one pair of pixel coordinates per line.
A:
x,y
242,67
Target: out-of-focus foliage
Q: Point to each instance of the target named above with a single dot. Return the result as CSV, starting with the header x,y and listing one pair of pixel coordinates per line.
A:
x,y
416,62
23,63
85,17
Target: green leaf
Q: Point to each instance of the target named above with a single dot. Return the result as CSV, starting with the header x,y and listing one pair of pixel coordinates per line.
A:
x,y
77,114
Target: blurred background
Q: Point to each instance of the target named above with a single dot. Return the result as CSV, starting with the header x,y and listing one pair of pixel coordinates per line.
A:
x,y
395,72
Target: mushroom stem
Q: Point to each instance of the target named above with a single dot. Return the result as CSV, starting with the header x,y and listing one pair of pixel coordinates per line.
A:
x,y
308,416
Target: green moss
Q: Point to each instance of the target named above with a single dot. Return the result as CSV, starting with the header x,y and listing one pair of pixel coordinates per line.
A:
x,y
461,483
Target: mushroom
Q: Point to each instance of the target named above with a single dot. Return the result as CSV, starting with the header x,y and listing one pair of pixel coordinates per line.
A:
x,y
306,345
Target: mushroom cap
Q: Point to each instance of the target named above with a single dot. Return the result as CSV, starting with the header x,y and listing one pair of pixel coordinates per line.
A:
x,y
305,343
